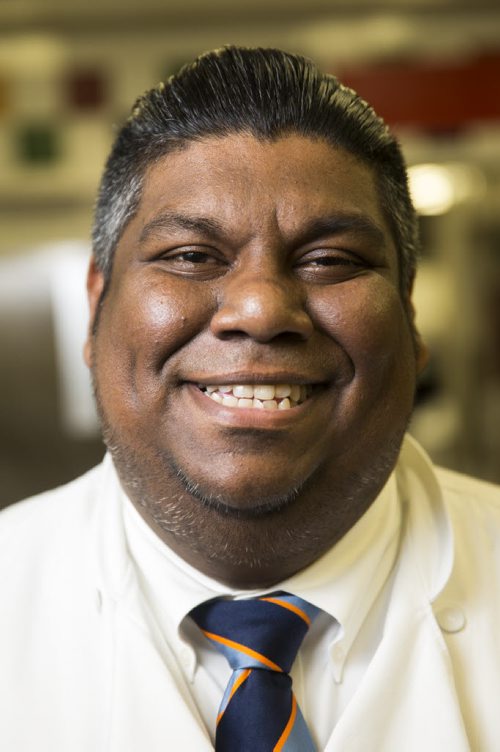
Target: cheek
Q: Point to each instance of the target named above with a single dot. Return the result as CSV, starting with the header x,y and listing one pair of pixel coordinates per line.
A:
x,y
367,319
153,317
143,325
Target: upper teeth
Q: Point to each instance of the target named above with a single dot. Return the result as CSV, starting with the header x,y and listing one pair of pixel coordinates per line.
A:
x,y
266,396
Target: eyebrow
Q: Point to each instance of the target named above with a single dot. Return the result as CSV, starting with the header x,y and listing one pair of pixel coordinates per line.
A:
x,y
319,227
171,221
357,224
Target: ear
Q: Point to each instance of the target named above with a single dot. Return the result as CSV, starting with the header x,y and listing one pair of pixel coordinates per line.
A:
x,y
421,349
95,287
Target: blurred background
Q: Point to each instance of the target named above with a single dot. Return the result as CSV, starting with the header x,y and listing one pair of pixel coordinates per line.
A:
x,y
69,72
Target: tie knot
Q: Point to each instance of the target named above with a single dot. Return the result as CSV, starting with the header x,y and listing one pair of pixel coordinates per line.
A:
x,y
264,632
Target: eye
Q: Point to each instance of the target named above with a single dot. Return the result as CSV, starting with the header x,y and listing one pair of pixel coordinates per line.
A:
x,y
199,263
330,265
333,261
194,257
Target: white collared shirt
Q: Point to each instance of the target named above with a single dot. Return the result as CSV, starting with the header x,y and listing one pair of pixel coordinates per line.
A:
x,y
349,584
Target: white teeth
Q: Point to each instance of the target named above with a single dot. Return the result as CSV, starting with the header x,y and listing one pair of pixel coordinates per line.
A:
x,y
270,405
263,391
282,390
259,396
244,402
243,390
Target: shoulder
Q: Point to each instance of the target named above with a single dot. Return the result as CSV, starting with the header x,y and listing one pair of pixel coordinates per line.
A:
x,y
473,512
457,518
469,497
42,521
462,495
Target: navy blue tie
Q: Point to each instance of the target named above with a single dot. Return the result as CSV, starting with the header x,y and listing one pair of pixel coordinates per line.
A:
x,y
260,638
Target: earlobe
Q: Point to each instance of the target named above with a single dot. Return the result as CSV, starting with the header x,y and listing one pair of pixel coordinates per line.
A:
x,y
422,352
95,287
421,349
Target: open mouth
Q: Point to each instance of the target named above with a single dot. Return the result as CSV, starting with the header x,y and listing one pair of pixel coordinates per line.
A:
x,y
258,396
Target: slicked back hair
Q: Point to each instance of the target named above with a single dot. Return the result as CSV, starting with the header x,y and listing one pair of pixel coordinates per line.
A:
x,y
267,93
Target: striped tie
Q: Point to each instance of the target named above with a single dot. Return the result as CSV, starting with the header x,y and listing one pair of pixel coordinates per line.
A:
x,y
260,638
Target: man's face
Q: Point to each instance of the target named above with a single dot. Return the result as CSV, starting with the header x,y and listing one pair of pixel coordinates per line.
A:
x,y
254,360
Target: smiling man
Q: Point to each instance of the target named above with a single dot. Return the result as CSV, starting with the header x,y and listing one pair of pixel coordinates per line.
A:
x,y
254,358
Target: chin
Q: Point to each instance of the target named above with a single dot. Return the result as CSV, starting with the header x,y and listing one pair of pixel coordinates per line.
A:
x,y
247,499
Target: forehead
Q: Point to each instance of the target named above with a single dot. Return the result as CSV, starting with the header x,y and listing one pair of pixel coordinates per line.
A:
x,y
292,164
246,185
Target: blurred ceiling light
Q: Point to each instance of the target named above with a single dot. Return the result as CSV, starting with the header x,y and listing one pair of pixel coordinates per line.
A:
x,y
436,188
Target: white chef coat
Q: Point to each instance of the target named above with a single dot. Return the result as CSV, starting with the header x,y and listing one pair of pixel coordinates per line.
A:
x,y
85,663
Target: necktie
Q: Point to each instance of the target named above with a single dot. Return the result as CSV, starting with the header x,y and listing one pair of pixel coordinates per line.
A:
x,y
260,638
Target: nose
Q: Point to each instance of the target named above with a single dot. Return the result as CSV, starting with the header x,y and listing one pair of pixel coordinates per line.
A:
x,y
261,307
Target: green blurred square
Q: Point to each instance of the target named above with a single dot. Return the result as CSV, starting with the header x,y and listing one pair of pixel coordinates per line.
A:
x,y
38,143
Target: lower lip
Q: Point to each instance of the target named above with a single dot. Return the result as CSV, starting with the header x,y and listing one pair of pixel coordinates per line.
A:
x,y
248,417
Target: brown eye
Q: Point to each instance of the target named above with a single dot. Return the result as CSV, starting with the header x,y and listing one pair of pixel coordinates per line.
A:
x,y
200,263
333,261
329,266
195,257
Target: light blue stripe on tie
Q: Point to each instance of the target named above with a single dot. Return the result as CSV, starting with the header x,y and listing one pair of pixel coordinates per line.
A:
x,y
299,739
308,608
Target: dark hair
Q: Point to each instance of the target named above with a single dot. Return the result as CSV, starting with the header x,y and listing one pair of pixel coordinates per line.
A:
x,y
267,93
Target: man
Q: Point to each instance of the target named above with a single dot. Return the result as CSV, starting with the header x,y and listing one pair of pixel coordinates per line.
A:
x,y
254,356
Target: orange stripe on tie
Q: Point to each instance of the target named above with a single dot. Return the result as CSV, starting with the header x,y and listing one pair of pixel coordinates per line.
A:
x,y
243,649
289,726
290,607
237,684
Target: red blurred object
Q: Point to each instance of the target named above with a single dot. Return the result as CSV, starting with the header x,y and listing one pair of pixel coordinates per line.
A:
x,y
438,96
85,89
